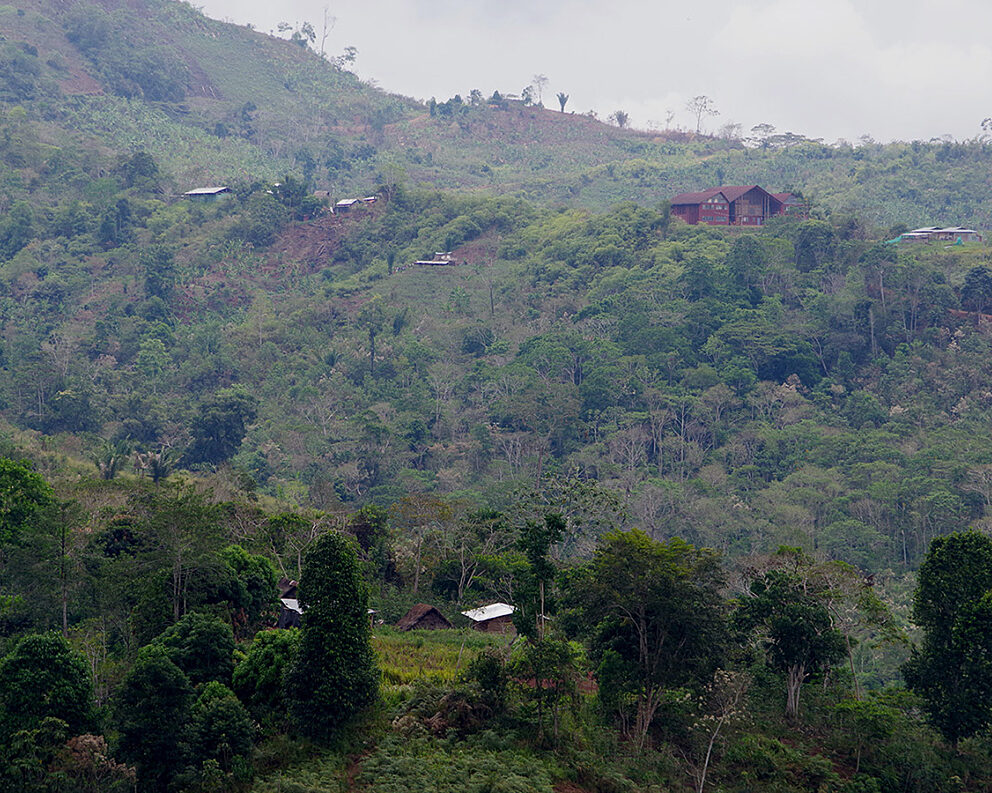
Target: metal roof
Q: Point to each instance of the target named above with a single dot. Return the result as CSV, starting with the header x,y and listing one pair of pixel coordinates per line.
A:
x,y
207,191
347,202
490,612
292,604
730,192
696,198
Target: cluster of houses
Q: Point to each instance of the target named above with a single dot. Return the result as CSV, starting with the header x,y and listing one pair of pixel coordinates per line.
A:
x,y
742,205
953,234
344,206
752,205
494,618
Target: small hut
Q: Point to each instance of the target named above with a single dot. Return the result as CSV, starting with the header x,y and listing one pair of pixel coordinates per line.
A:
x,y
423,617
289,613
494,618
345,205
206,193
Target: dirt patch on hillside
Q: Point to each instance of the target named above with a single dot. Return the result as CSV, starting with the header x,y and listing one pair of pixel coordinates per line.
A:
x,y
312,244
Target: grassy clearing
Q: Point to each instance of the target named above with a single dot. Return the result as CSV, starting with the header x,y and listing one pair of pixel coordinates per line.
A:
x,y
438,656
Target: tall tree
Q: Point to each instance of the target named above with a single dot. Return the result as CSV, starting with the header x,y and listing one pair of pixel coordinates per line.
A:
x,y
795,629
43,677
221,424
700,106
536,541
23,495
540,82
976,293
562,100
654,617
951,669
372,317
334,674
151,710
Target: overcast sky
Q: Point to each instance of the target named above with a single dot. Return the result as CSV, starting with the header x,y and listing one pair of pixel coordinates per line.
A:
x,y
891,69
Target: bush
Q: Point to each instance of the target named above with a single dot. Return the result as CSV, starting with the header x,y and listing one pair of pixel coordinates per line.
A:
x,y
201,646
42,677
258,679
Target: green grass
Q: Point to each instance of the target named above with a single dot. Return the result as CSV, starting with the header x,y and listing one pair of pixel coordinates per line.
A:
x,y
438,656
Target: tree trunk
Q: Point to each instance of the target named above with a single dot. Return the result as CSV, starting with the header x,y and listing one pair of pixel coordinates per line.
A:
x,y
709,753
794,681
540,616
850,659
416,567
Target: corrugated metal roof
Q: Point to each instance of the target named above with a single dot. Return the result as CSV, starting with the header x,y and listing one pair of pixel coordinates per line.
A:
x,y
207,191
490,612
292,604
347,202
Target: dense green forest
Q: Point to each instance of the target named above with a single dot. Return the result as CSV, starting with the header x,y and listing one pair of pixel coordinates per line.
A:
x,y
736,482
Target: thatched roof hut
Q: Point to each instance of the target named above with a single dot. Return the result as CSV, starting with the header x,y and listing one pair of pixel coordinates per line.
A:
x,y
423,617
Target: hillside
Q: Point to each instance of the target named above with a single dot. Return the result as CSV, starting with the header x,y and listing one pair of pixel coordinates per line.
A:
x,y
762,447
214,102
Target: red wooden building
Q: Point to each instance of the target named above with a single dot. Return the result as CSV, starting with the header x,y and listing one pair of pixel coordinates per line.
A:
x,y
747,205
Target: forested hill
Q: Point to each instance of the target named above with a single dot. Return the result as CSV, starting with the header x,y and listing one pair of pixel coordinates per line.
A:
x,y
214,102
753,445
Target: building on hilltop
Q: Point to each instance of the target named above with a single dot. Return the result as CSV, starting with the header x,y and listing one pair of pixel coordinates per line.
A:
x,y
748,205
939,234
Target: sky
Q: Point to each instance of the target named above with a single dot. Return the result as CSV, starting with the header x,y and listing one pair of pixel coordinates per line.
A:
x,y
830,69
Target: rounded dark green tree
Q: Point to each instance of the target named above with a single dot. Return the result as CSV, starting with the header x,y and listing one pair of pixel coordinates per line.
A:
x,y
151,711
951,669
202,646
43,677
258,677
219,734
334,675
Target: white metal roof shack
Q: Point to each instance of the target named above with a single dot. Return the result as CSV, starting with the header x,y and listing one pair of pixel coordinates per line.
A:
x,y
207,191
490,612
292,604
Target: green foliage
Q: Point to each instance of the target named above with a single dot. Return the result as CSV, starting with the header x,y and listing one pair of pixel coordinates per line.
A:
x,y
953,605
333,676
486,763
26,758
131,67
16,229
795,627
654,620
220,426
219,736
257,598
151,712
258,677
23,495
201,646
19,72
41,678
